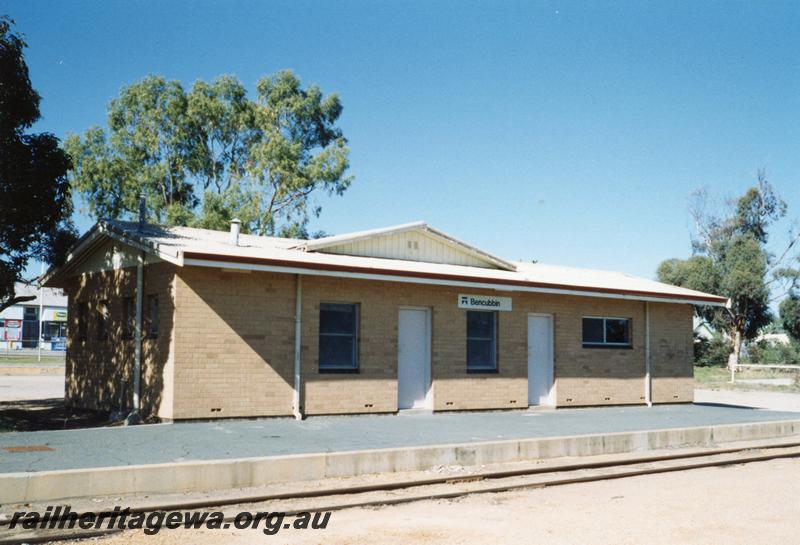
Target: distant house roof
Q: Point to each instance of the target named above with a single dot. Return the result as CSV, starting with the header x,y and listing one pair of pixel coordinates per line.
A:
x,y
443,263
774,338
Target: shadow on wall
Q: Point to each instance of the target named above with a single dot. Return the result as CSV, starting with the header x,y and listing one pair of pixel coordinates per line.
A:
x,y
241,337
101,345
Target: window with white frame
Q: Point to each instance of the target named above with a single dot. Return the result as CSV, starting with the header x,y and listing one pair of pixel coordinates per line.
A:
x,y
606,332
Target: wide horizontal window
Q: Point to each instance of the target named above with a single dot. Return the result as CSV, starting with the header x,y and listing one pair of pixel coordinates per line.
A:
x,y
338,337
481,341
606,332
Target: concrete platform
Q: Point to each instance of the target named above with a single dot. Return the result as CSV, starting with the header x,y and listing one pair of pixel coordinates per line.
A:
x,y
222,439
230,454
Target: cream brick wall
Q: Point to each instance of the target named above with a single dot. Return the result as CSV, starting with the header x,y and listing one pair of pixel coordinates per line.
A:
x,y
234,344
584,376
596,376
609,376
672,353
233,349
99,373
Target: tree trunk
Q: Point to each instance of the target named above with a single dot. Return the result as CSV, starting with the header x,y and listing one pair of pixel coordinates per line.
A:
x,y
733,358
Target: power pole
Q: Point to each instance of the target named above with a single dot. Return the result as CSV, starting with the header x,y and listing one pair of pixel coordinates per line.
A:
x,y
41,309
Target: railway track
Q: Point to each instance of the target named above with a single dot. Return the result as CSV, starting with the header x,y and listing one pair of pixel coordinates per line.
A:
x,y
438,487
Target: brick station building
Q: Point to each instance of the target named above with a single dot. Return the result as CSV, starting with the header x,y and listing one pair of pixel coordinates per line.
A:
x,y
185,323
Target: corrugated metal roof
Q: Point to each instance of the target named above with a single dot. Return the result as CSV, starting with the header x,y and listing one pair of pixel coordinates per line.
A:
x,y
574,276
174,240
189,246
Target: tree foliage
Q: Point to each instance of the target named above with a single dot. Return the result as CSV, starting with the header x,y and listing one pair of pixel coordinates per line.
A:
x,y
35,203
713,351
790,316
210,154
768,352
730,258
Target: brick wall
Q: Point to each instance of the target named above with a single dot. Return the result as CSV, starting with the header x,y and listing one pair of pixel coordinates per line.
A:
x,y
99,372
672,353
233,350
234,343
596,376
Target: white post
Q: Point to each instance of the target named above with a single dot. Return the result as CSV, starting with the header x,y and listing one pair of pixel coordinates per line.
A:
x,y
298,413
648,379
133,417
41,310
137,355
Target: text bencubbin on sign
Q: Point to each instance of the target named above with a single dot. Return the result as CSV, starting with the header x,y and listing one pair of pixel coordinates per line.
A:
x,y
484,302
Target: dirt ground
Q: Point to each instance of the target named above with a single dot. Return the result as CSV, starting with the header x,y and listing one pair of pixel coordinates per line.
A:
x,y
46,414
747,504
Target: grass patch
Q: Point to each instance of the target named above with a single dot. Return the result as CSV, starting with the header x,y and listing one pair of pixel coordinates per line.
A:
x,y
719,378
30,359
707,375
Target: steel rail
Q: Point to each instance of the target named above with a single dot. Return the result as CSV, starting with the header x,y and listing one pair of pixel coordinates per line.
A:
x,y
477,478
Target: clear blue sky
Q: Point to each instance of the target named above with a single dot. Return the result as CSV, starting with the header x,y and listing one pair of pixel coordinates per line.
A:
x,y
567,132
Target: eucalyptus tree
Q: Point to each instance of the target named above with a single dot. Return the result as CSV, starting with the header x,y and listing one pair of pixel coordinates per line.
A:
x,y
790,316
730,257
211,153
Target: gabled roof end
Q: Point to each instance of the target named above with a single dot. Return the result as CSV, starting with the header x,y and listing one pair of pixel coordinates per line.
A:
x,y
422,226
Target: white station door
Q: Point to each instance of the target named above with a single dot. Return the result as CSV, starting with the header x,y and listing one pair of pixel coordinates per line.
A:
x,y
413,359
540,360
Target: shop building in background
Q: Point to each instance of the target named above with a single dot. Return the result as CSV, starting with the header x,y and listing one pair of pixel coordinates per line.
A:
x,y
20,323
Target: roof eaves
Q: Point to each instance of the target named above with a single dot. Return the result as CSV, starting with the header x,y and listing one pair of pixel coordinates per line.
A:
x,y
94,237
477,252
136,240
513,284
88,240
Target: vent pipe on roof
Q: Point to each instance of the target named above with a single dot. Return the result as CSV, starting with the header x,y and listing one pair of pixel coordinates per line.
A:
x,y
236,225
142,210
